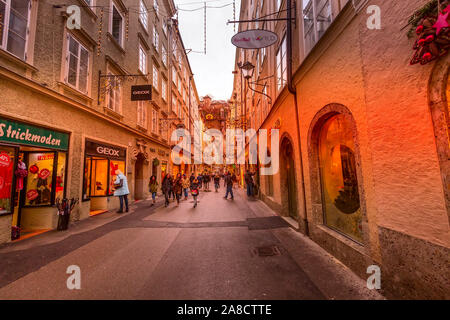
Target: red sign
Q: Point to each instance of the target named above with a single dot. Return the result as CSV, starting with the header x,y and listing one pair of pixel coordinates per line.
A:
x,y
2,182
5,160
44,173
32,194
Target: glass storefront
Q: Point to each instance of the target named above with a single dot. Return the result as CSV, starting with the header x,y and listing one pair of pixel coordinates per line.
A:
x,y
33,164
7,159
339,180
100,166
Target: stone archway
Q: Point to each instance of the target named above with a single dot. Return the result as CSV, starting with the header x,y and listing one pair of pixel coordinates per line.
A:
x,y
439,99
288,184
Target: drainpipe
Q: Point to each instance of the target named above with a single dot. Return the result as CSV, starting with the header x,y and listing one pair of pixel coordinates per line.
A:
x,y
293,91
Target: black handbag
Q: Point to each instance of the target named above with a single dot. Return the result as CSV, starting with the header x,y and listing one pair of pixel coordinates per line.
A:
x,y
118,185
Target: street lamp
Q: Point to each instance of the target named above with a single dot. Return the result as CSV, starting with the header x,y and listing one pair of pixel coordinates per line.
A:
x,y
247,70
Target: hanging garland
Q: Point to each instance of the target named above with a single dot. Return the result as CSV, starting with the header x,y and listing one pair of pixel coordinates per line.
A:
x,y
431,24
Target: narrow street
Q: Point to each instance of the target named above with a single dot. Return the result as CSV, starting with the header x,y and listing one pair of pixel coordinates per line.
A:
x,y
210,252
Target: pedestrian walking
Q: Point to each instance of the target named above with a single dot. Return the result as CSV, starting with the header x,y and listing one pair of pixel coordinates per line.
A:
x,y
229,185
217,181
192,177
166,187
200,180
206,180
248,177
186,185
195,190
153,188
178,188
121,190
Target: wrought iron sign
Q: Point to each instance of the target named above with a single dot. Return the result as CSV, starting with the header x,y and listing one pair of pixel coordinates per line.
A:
x,y
108,82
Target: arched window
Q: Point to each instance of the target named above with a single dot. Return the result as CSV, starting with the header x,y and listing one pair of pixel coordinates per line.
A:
x,y
339,181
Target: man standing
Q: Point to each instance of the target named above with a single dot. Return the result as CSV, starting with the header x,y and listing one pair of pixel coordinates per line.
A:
x,y
121,190
249,182
229,185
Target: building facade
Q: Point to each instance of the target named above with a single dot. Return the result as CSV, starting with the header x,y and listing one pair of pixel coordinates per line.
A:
x,y
67,116
363,137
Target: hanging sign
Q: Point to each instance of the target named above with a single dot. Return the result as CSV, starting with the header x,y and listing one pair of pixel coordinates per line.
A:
x,y
141,93
254,39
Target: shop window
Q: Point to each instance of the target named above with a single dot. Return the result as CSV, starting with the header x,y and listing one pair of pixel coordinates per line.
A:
x,y
100,169
339,182
39,179
60,175
7,156
14,25
114,166
99,177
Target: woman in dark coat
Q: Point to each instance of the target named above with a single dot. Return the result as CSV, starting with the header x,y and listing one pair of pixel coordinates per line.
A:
x,y
178,187
166,187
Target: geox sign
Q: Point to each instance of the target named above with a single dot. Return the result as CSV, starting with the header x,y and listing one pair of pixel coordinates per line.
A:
x,y
141,93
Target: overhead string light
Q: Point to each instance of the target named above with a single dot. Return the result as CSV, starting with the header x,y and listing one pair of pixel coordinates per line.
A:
x,y
204,31
234,15
100,26
127,24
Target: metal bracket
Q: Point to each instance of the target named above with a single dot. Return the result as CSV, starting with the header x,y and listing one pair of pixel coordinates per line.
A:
x,y
114,81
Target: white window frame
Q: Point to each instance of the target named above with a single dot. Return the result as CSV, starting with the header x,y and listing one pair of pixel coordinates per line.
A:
x,y
156,7
116,91
164,27
143,59
155,39
142,114
164,89
5,29
111,20
313,32
66,70
154,121
155,78
164,54
143,14
281,78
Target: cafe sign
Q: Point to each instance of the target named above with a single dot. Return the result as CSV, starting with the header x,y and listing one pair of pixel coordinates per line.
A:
x,y
25,134
254,39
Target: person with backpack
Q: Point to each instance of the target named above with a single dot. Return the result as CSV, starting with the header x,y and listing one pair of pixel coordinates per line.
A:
x,y
153,188
195,190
